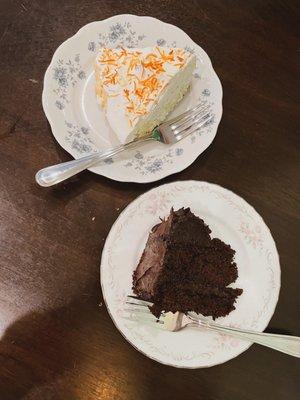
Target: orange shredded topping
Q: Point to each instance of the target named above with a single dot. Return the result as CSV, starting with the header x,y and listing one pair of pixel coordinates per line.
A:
x,y
152,83
154,65
166,57
126,92
140,92
143,80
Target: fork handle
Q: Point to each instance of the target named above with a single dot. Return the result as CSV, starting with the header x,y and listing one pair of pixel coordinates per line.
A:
x,y
54,174
284,343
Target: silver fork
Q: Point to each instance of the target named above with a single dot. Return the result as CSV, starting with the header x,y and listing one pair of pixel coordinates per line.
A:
x,y
138,310
168,132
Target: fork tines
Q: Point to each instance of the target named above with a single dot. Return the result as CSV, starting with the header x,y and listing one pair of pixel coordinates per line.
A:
x,y
138,310
182,117
134,300
185,124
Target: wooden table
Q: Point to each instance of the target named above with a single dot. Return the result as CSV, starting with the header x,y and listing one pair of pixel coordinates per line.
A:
x,y
56,338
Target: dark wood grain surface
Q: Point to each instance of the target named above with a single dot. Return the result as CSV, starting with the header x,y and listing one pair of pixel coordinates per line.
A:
x,y
56,339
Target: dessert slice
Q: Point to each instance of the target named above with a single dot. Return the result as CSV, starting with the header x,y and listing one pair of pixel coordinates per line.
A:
x,y
183,269
137,88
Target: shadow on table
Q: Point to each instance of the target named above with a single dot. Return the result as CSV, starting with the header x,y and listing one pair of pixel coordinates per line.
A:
x,y
40,349
278,331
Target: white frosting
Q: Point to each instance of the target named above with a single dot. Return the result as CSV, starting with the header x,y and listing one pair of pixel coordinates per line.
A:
x,y
130,84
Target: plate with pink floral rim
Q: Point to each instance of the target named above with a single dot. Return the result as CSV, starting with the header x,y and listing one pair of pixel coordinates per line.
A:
x,y
80,126
232,220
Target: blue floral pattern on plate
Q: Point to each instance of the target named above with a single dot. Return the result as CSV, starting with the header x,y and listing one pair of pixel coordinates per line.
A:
x,y
79,138
152,164
66,74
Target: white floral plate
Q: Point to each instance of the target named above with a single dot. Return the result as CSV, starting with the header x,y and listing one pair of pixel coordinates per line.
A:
x,y
80,127
231,219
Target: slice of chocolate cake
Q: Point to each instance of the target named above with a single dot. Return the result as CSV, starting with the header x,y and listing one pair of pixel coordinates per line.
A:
x,y
183,269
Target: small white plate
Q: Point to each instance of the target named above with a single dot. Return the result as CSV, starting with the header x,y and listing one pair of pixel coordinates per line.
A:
x,y
79,125
232,220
